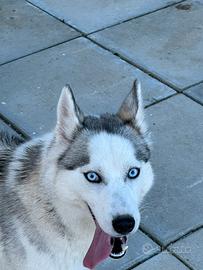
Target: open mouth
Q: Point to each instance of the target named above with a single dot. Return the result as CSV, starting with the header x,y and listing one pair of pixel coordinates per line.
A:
x,y
119,247
103,246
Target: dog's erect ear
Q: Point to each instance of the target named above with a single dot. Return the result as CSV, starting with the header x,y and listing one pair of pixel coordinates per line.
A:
x,y
131,110
69,116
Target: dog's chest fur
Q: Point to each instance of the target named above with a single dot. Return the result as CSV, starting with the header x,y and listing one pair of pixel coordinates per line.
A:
x,y
32,233
50,252
67,254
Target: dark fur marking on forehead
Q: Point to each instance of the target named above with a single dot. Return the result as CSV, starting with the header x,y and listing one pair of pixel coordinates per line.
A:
x,y
30,162
110,123
76,154
106,122
114,125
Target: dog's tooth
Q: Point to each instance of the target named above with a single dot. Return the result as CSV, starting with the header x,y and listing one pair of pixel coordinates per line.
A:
x,y
119,254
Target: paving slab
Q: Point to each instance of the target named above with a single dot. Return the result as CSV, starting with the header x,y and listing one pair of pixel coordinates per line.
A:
x,y
196,92
162,261
25,29
190,249
140,248
7,128
91,15
174,205
168,43
99,79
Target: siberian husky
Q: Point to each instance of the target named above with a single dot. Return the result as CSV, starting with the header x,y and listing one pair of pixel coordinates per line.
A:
x,y
70,199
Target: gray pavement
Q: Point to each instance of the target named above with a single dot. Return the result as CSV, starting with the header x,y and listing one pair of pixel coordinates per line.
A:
x,y
176,199
89,16
45,44
163,261
190,249
23,29
167,43
93,73
196,93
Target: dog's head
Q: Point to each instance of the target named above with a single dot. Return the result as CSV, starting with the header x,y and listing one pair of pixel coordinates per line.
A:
x,y
105,161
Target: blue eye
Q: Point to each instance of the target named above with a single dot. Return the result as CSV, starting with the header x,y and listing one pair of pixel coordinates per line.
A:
x,y
92,177
133,173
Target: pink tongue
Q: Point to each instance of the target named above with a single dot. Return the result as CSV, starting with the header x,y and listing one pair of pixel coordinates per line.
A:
x,y
99,250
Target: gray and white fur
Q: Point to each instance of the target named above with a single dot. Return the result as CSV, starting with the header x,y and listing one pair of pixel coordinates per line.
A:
x,y
45,223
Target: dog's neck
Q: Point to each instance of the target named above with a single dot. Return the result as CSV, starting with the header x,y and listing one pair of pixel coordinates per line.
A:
x,y
73,213
56,220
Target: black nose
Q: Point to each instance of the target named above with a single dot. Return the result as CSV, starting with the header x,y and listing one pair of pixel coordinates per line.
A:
x,y
123,224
